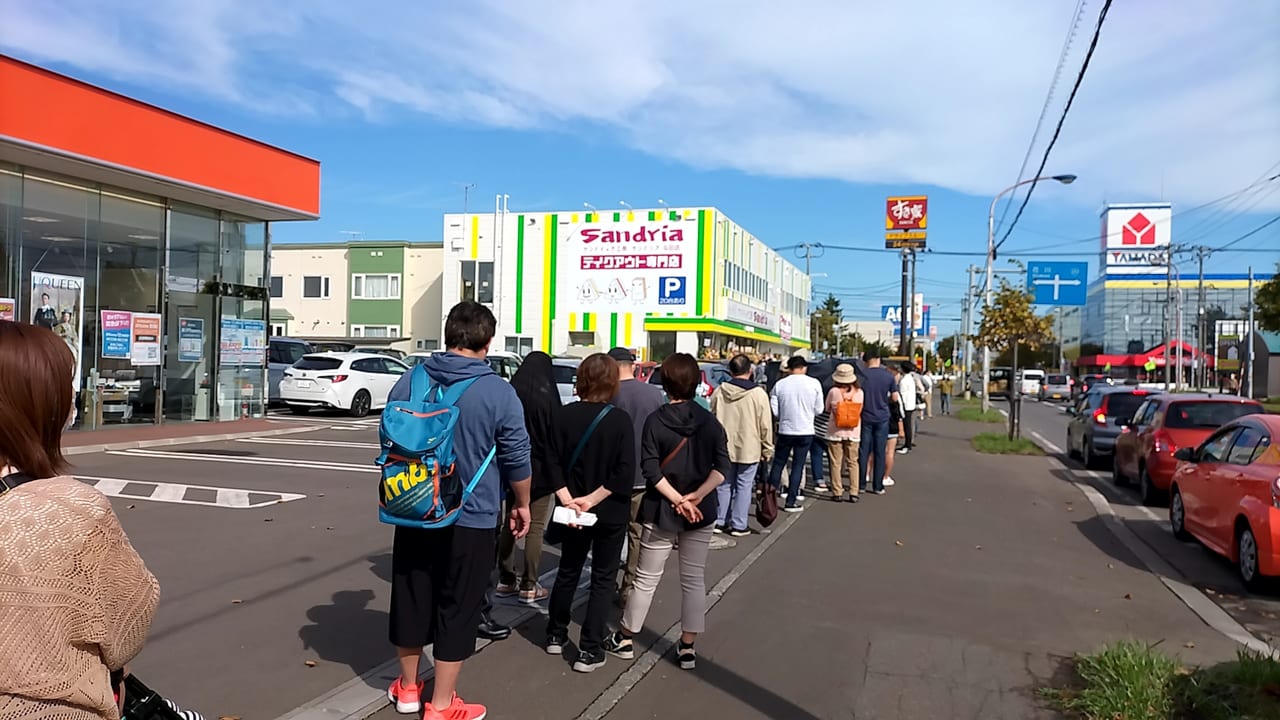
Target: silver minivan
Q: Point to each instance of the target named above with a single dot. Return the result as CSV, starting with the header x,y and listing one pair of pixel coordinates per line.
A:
x,y
282,353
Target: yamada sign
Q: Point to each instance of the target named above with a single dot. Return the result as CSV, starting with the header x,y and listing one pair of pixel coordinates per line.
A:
x,y
1136,239
628,266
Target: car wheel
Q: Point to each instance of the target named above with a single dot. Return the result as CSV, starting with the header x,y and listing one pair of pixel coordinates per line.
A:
x,y
360,404
299,409
1178,516
1150,493
1071,448
1117,476
1090,458
1247,559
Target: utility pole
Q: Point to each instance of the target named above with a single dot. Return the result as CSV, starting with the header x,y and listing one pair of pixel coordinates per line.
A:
x,y
1202,367
911,345
1168,313
904,311
967,365
1249,339
809,255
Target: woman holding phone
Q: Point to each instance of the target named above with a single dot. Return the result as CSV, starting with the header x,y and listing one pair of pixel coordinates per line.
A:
x,y
684,456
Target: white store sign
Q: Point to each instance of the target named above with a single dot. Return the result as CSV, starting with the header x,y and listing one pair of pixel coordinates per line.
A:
x,y
628,266
1136,239
749,316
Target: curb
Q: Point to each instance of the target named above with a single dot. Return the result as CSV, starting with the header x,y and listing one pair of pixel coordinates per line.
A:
x,y
1196,601
192,439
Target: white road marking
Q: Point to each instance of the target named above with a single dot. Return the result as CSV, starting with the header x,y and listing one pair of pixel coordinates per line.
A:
x,y
274,462
176,493
311,443
1044,443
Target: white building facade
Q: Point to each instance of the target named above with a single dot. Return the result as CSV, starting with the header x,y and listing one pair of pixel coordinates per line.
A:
x,y
658,281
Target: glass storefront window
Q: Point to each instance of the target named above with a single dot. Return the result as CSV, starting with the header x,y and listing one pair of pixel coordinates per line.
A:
x,y
190,318
10,218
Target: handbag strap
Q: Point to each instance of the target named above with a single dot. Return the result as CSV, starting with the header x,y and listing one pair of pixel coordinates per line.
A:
x,y
582,443
13,480
671,456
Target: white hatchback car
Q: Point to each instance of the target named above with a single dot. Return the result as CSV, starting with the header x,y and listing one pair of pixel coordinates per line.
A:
x,y
351,381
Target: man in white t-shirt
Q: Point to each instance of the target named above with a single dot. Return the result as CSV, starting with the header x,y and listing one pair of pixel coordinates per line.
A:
x,y
910,402
796,401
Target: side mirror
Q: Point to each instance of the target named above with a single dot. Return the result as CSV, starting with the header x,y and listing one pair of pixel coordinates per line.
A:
x,y
1071,411
1186,454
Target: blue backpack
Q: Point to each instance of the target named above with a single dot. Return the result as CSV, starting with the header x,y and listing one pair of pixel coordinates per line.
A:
x,y
420,487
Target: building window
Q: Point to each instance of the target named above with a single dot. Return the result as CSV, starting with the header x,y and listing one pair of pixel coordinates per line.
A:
x,y
476,281
315,287
375,287
520,345
279,329
429,344
375,331
277,286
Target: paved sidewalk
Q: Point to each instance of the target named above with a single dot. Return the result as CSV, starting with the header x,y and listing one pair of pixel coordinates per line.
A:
x,y
129,436
956,595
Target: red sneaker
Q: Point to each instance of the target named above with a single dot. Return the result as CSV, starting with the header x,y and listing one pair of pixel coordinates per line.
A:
x,y
457,710
408,700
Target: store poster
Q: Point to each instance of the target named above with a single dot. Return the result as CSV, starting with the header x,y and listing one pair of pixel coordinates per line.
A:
x,y
190,339
146,340
8,309
630,265
117,334
57,304
243,342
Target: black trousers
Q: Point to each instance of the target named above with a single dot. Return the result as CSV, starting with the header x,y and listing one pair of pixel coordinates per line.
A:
x,y
438,583
604,542
909,428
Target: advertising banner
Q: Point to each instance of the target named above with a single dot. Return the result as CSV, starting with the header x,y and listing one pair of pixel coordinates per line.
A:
x,y
8,309
190,339
747,315
1136,239
908,212
629,265
57,303
243,342
117,334
1228,353
146,339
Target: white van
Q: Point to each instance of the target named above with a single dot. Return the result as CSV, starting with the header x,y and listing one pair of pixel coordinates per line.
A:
x,y
1030,381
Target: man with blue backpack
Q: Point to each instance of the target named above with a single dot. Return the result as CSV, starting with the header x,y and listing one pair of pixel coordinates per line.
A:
x,y
453,439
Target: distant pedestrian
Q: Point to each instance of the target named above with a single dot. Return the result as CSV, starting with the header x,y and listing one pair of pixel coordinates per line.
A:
x,y
742,407
439,577
796,401
638,400
946,386
880,393
909,389
926,395
685,457
844,406
535,385
592,468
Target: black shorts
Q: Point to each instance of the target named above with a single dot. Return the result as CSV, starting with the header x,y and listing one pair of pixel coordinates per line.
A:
x,y
438,583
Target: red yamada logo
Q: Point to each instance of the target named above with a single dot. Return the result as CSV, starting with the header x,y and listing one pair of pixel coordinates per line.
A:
x,y
1138,231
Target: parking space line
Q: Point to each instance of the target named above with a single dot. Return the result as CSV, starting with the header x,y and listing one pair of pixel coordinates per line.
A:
x,y
269,461
176,493
312,443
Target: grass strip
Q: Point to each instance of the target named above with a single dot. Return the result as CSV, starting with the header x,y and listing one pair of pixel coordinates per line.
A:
x,y
998,443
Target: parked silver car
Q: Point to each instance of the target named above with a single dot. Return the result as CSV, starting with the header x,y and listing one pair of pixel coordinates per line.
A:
x,y
565,371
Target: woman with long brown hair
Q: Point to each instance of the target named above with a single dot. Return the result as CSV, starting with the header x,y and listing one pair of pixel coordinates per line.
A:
x,y
76,601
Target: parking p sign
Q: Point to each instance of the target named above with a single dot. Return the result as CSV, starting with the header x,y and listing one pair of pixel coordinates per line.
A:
x,y
671,290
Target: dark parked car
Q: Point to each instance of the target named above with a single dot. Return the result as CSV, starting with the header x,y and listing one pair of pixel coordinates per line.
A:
x,y
1056,387
1095,421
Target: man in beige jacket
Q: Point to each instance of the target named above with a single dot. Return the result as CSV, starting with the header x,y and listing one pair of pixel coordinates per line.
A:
x,y
742,407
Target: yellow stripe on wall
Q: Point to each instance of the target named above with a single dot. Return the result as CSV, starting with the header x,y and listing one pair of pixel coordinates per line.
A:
x,y
475,236
626,329
573,322
547,294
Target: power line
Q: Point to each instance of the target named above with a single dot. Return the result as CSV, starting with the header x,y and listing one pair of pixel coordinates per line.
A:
x,y
1093,44
1048,99
1249,234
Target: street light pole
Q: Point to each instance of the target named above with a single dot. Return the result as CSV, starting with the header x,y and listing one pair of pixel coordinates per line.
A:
x,y
991,258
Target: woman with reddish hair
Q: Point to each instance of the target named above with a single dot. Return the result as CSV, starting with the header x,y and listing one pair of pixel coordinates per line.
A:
x,y
76,601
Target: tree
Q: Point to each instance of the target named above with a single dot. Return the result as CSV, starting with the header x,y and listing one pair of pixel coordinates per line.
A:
x,y
1266,303
1011,323
825,319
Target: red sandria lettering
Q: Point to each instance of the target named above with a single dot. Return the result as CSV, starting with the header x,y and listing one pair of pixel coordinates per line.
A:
x,y
666,233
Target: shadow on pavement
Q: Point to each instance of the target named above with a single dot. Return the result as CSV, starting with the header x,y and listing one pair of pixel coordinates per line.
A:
x,y
347,631
1095,530
380,566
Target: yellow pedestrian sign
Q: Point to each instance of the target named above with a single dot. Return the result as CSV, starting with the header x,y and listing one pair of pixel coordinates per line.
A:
x,y
1150,364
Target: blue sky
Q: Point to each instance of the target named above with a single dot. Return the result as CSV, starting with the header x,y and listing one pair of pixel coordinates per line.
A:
x,y
796,122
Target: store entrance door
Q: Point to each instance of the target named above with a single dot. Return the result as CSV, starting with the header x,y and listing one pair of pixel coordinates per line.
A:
x,y
188,362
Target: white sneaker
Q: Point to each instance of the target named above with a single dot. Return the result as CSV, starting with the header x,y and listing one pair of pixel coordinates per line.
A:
x,y
888,481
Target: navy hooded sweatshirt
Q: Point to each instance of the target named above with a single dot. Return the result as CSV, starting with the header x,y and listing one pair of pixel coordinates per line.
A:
x,y
489,414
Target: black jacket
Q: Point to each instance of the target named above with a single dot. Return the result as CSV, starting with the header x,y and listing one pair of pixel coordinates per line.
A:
x,y
608,458
706,450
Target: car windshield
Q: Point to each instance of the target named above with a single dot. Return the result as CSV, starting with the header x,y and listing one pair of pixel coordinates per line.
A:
x,y
415,360
318,362
564,374
1056,380
289,352
1207,414
1124,404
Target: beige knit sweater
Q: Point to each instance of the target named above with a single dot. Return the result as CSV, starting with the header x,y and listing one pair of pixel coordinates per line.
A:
x,y
75,601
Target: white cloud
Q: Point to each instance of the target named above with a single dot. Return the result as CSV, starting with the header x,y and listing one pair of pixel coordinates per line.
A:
x,y
1180,96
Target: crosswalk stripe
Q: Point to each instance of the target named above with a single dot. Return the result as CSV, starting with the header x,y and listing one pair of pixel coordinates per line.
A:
x,y
273,462
176,493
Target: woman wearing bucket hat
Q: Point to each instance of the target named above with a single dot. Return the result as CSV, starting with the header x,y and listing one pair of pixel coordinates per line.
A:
x,y
844,403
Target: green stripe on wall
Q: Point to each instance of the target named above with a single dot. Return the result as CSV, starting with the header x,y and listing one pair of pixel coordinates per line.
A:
x,y
617,217
519,274
586,322
653,215
702,240
613,330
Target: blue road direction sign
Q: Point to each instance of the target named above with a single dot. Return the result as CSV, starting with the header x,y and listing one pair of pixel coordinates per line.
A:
x,y
1058,283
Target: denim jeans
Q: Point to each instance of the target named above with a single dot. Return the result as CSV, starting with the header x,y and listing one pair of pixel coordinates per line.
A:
x,y
946,403
798,446
875,437
817,454
734,496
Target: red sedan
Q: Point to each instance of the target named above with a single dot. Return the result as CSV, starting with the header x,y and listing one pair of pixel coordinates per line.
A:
x,y
1161,425
1226,494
